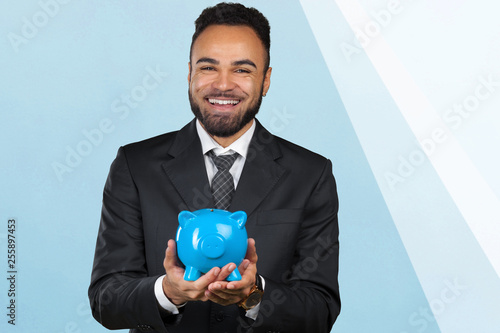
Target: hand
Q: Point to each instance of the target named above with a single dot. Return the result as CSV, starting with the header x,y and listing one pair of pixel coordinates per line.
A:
x,y
226,293
179,291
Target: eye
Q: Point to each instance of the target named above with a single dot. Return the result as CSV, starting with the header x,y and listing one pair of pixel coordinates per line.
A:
x,y
242,70
207,68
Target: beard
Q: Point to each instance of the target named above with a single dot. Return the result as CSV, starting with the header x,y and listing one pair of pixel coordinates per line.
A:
x,y
225,125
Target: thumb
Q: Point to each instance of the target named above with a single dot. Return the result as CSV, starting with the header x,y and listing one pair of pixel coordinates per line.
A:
x,y
170,255
251,251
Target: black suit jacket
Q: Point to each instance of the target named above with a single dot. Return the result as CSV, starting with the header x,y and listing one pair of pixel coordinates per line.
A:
x,y
290,197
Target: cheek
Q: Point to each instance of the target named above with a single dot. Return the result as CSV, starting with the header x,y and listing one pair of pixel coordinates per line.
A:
x,y
250,87
199,83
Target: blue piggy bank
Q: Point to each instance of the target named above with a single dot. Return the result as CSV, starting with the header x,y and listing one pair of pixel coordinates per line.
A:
x,y
210,238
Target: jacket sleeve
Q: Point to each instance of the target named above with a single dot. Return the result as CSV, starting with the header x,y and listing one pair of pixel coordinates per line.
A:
x,y
121,293
307,299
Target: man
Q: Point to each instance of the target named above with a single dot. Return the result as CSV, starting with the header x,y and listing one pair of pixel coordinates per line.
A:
x,y
289,274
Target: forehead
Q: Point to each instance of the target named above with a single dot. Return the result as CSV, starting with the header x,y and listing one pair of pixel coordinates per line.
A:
x,y
224,42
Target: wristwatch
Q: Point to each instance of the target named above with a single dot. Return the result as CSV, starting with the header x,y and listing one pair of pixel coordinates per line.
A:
x,y
255,296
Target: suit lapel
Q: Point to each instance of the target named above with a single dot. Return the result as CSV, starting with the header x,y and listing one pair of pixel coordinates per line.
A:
x,y
186,170
260,173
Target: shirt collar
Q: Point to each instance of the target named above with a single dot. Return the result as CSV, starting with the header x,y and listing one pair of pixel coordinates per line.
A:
x,y
239,146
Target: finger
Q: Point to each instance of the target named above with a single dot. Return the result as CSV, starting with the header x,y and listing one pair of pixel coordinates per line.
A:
x,y
237,286
217,285
243,266
170,255
226,271
224,292
222,298
251,251
170,251
219,294
215,298
206,279
247,278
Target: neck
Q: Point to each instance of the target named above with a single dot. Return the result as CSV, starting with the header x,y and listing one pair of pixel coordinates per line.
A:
x,y
227,141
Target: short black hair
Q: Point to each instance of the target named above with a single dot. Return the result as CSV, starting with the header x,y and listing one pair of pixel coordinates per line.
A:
x,y
235,14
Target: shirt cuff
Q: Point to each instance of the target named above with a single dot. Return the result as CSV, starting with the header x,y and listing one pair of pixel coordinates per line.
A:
x,y
252,313
163,300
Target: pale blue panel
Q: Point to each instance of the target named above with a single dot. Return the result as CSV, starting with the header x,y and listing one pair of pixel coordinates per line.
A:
x,y
76,91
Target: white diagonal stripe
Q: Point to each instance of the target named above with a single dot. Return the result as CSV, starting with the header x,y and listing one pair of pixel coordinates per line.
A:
x,y
459,175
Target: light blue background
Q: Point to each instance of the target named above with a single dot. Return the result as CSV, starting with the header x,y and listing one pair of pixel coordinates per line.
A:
x,y
70,73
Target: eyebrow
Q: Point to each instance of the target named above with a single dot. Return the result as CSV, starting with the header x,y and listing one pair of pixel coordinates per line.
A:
x,y
209,60
234,63
244,62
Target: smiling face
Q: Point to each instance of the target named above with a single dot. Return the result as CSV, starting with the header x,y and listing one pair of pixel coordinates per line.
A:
x,y
227,79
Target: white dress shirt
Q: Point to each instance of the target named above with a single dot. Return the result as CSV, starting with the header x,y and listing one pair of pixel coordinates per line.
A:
x,y
239,146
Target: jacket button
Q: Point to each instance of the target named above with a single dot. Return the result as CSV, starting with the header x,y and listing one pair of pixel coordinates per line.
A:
x,y
219,316
144,328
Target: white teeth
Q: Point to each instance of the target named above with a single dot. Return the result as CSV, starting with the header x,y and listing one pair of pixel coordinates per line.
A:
x,y
222,101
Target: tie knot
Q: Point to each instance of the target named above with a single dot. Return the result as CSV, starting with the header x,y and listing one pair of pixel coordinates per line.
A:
x,y
223,162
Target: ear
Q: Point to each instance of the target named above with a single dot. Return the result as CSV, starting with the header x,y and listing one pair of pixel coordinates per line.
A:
x,y
240,217
184,217
189,73
267,81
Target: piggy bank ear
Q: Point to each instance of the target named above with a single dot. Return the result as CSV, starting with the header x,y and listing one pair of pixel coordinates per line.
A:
x,y
184,217
240,217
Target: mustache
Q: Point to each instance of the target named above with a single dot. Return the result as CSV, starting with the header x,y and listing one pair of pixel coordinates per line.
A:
x,y
223,94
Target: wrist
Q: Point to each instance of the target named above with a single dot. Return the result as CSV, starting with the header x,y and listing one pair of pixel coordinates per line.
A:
x,y
255,295
177,301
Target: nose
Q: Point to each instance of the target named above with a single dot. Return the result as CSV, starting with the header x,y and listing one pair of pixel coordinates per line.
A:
x,y
212,246
224,81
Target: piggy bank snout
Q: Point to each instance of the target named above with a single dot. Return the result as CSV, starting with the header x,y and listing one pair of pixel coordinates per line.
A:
x,y
212,246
